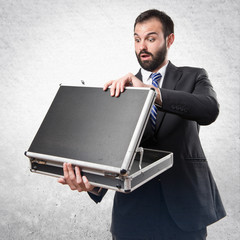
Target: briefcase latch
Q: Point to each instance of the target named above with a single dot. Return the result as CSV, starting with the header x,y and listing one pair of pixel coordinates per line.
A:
x,y
141,151
111,175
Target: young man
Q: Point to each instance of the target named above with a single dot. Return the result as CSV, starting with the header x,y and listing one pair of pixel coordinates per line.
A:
x,y
183,201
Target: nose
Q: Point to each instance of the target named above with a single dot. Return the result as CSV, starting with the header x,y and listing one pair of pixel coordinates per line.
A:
x,y
142,46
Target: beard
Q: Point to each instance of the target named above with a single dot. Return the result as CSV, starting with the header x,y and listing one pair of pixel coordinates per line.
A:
x,y
157,59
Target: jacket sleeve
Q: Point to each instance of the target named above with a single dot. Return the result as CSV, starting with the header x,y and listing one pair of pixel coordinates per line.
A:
x,y
198,102
97,198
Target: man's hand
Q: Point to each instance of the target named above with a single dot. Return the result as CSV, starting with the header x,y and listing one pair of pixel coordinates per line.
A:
x,y
74,180
118,86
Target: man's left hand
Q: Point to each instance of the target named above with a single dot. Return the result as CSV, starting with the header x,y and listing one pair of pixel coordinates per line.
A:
x,y
118,86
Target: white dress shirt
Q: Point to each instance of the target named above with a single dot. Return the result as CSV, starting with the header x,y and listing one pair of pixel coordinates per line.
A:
x,y
146,75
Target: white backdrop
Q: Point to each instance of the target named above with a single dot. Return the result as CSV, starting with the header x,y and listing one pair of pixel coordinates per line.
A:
x,y
45,43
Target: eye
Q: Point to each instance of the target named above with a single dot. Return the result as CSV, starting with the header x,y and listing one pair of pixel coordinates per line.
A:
x,y
151,39
137,40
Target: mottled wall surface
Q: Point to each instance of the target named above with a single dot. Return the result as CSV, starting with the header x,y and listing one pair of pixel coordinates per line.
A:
x,y
44,43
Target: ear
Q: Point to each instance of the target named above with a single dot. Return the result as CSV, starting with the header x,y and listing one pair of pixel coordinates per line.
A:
x,y
170,40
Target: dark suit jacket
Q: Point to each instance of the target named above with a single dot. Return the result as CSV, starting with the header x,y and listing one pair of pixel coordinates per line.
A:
x,y
188,187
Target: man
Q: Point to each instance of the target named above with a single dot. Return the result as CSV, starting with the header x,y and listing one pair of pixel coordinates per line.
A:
x,y
182,201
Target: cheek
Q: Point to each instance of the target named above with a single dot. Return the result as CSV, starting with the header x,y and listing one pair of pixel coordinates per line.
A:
x,y
137,51
155,48
152,50
136,48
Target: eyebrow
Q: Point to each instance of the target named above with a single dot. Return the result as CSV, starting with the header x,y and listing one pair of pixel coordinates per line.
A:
x,y
151,33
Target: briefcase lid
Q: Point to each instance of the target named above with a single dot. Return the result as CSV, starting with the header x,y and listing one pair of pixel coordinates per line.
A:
x,y
91,128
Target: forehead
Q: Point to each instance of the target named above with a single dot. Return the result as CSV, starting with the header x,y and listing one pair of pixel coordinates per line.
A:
x,y
151,25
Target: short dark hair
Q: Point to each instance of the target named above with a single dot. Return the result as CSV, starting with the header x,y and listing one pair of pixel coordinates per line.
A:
x,y
167,23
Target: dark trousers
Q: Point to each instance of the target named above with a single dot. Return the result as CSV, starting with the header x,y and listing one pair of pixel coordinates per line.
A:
x,y
165,227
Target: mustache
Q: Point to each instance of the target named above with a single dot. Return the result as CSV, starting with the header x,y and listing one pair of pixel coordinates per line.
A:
x,y
145,52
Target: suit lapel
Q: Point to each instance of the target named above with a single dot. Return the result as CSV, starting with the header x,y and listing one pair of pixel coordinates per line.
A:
x,y
172,75
171,78
139,75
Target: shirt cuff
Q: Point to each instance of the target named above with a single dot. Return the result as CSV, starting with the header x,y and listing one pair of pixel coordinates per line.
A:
x,y
96,191
160,96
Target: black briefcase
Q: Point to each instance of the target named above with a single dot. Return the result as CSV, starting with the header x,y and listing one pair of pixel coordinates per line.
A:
x,y
101,134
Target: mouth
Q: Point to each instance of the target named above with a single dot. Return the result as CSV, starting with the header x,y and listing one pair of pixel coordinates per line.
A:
x,y
145,56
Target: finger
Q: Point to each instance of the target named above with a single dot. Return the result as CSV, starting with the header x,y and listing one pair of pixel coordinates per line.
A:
x,y
113,88
65,171
71,173
122,87
79,180
81,183
71,177
124,83
88,186
106,85
66,179
117,91
62,181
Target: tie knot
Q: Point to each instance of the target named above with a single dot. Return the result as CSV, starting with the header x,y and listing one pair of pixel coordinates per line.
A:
x,y
156,78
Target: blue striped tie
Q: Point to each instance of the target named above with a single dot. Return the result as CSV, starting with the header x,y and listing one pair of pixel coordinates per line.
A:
x,y
156,77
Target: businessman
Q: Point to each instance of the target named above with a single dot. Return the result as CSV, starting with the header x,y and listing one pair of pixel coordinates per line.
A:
x,y
180,203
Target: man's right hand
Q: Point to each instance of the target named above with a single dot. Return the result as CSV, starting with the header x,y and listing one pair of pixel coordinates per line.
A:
x,y
74,180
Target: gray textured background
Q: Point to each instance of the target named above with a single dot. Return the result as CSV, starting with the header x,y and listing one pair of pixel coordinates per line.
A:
x,y
44,43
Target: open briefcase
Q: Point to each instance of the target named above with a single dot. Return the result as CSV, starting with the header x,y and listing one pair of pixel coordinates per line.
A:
x,y
101,134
